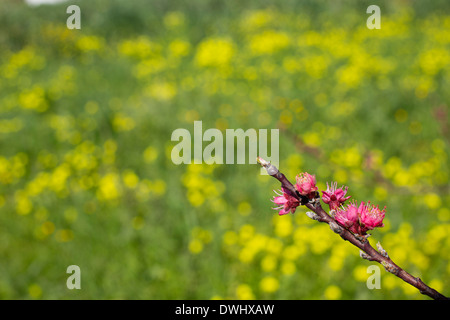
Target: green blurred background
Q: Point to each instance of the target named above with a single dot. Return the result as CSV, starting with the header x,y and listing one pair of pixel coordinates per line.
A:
x,y
86,117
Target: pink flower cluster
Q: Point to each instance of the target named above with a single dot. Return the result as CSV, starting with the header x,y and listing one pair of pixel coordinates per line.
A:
x,y
306,186
360,219
335,197
286,202
357,219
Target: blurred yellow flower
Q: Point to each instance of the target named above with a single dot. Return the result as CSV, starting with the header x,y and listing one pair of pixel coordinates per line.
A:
x,y
312,139
140,48
158,186
23,203
389,282
256,19
338,254
91,107
35,291
195,246
230,238
203,235
333,292
401,115
283,225
274,246
360,273
244,208
380,193
269,284
350,75
424,87
150,154
291,64
27,57
90,43
179,47
150,66
433,60
59,177
268,263
34,99
444,214
246,254
195,197
340,175
246,232
47,228
109,187
161,90
315,66
214,52
293,252
437,284
286,117
121,122
244,292
288,268
432,200
174,19
130,179
392,166
408,289
71,214
268,42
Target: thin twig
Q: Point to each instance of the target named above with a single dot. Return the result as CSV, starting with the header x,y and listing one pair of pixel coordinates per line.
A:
x,y
361,242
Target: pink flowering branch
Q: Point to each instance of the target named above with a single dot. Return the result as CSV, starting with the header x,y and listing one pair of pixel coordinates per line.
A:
x,y
351,222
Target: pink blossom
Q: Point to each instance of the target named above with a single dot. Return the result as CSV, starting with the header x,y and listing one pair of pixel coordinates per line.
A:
x,y
286,202
306,184
371,216
348,217
335,197
360,219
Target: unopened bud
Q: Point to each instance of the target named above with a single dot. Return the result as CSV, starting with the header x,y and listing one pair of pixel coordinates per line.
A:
x,y
364,255
390,267
362,238
262,162
381,250
270,168
313,215
336,227
314,201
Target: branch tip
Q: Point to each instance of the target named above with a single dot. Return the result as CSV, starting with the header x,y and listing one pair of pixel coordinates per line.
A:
x,y
262,162
312,201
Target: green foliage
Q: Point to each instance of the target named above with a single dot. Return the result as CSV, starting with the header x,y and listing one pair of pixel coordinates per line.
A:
x,y
86,118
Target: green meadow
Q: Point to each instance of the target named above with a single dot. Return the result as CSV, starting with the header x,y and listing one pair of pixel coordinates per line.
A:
x,y
86,172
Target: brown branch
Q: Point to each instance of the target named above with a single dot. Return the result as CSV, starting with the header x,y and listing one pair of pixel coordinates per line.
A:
x,y
368,252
